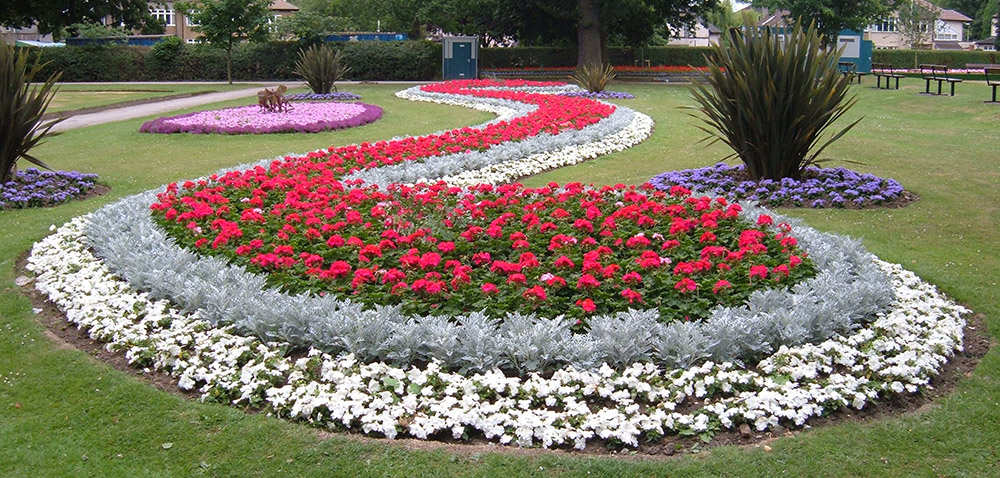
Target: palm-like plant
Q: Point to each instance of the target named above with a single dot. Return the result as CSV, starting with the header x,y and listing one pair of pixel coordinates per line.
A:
x,y
770,101
21,108
594,78
321,68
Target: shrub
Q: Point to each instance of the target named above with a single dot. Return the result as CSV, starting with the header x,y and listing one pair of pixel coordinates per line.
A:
x,y
321,67
951,59
771,102
594,78
21,109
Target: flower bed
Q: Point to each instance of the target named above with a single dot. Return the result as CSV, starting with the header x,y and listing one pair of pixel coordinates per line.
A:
x,y
335,96
857,330
601,95
301,118
442,250
33,188
819,188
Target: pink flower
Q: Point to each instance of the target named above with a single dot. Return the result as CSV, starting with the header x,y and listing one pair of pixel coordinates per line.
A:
x,y
490,288
587,281
758,271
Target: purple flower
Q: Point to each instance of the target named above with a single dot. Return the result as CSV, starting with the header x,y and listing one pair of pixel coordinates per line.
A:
x,y
33,188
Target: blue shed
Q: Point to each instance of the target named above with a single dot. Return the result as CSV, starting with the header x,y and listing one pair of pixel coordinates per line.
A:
x,y
856,50
461,58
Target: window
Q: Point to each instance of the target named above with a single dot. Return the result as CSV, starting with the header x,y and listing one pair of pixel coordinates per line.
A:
x,y
191,40
163,14
189,21
884,26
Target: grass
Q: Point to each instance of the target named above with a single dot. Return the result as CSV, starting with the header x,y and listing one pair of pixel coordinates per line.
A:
x,y
71,96
63,413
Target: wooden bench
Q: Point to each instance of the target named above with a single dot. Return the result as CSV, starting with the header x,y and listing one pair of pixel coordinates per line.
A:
x,y
849,68
980,66
884,70
993,79
938,73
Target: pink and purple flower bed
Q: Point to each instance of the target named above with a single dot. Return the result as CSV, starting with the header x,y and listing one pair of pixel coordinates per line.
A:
x,y
301,118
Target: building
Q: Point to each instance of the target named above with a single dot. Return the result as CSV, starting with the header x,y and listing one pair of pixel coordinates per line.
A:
x,y
703,34
989,43
178,25
948,34
13,35
948,31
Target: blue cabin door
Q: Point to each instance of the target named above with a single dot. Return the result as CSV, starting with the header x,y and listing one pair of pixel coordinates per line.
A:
x,y
460,60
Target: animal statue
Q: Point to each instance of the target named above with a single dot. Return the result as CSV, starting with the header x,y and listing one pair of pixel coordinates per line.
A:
x,y
273,101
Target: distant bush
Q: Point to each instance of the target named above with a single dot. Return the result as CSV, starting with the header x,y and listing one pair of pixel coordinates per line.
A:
x,y
411,60
949,58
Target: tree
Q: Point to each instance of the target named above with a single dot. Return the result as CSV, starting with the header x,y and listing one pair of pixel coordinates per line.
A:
x,y
595,23
915,22
310,28
51,16
226,23
832,16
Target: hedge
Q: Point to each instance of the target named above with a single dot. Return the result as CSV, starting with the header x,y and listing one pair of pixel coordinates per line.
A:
x,y
546,57
272,61
949,58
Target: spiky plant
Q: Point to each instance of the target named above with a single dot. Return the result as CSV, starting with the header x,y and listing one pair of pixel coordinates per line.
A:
x,y
21,108
771,102
321,68
594,78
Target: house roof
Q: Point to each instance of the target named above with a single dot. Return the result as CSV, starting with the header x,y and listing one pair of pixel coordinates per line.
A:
x,y
284,6
987,41
945,14
947,45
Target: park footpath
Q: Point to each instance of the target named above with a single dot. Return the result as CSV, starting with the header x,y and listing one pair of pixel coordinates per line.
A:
x,y
113,114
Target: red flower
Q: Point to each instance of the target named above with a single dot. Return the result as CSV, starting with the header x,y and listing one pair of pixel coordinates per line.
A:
x,y
534,293
758,271
720,286
632,278
632,296
587,305
587,281
446,247
481,258
794,261
489,288
517,278
686,285
429,260
764,220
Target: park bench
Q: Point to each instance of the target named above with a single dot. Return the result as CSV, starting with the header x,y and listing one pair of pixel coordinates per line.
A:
x,y
980,66
884,70
993,79
938,73
850,69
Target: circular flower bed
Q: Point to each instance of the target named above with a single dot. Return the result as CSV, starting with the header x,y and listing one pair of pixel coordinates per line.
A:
x,y
441,250
848,331
33,188
301,118
335,96
601,95
818,188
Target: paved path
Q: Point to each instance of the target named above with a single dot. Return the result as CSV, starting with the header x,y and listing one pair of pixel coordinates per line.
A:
x,y
148,109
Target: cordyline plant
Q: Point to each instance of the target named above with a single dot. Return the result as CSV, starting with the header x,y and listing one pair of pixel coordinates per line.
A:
x,y
21,108
770,101
321,68
594,78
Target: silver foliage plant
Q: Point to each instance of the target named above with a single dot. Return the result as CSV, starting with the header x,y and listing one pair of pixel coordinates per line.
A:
x,y
848,290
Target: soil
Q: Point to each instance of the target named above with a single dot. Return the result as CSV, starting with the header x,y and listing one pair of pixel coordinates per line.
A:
x,y
123,104
977,344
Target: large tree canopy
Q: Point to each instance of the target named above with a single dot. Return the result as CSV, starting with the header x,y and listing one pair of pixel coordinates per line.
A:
x,y
54,15
832,16
593,23
225,23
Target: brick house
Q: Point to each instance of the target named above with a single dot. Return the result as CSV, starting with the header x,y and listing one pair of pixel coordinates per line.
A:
x,y
180,26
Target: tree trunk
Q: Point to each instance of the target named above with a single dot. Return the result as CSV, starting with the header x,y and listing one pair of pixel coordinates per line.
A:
x,y
589,39
229,66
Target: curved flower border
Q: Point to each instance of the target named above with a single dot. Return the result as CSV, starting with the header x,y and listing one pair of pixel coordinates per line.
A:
x,y
899,352
848,290
164,125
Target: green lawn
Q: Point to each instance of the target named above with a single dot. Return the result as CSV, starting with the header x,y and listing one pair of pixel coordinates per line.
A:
x,y
63,413
71,96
